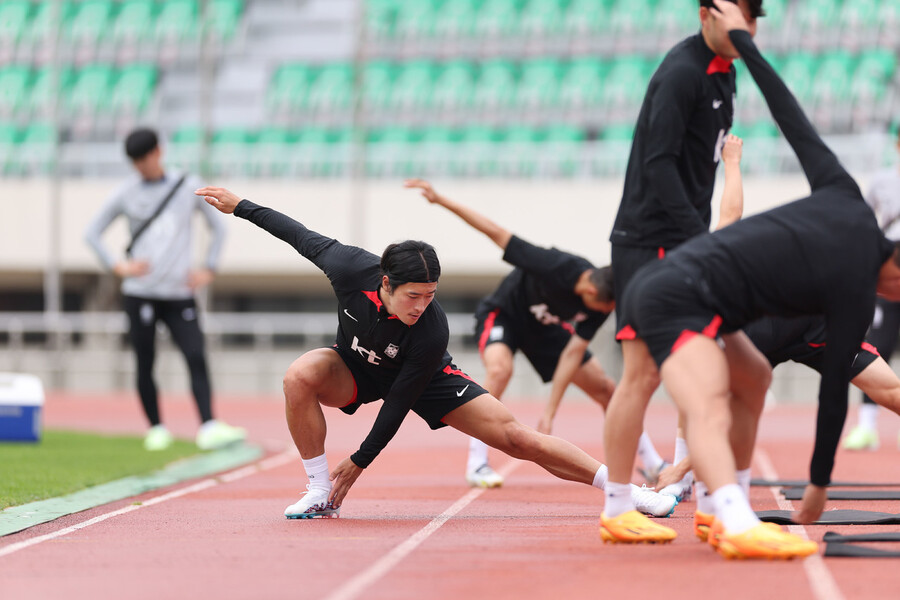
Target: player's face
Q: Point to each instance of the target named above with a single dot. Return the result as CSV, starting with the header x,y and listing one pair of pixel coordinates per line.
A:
x,y
150,165
717,36
408,301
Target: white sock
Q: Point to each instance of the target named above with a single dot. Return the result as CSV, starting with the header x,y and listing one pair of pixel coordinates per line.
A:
x,y
317,471
743,480
681,450
868,416
733,509
705,502
478,455
618,499
650,458
601,477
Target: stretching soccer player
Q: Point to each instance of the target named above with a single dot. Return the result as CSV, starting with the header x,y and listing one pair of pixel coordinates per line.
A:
x,y
392,345
820,255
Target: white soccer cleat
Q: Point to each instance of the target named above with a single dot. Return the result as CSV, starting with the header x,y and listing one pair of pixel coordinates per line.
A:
x,y
484,477
158,438
649,502
314,503
217,434
681,490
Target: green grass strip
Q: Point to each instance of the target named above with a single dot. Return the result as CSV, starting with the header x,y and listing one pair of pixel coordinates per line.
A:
x,y
17,518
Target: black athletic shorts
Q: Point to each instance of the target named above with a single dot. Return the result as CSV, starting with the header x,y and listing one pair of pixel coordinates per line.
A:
x,y
626,260
663,307
541,344
448,390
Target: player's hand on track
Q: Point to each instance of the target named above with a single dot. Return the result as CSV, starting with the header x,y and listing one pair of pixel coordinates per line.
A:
x,y
223,200
545,425
200,278
343,477
673,474
131,268
731,151
812,505
427,191
729,15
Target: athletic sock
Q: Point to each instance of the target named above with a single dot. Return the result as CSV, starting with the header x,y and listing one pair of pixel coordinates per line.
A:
x,y
681,450
601,477
317,471
743,480
705,502
733,509
868,416
618,499
478,455
650,458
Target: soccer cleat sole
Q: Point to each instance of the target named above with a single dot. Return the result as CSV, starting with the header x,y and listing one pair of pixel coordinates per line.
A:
x,y
609,538
332,514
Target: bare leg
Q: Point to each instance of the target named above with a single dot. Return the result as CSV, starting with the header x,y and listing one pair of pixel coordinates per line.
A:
x,y
488,420
318,378
749,376
594,381
625,413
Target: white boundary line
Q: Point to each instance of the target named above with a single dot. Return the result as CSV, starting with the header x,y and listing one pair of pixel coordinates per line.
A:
x,y
823,585
361,582
269,463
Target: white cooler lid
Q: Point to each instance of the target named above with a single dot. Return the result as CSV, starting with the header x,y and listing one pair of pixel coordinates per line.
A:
x,y
21,389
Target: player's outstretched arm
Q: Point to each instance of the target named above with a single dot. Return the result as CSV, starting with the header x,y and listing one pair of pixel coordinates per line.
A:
x,y
732,205
498,234
219,198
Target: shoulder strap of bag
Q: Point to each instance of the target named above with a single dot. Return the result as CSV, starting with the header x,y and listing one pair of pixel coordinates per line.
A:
x,y
159,209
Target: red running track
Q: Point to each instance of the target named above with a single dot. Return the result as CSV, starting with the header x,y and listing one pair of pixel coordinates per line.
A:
x,y
410,528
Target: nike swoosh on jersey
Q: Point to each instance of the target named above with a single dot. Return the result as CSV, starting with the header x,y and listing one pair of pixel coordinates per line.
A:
x,y
351,316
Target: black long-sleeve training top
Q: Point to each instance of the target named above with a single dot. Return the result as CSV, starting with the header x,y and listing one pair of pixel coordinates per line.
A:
x,y
684,120
401,357
542,287
817,255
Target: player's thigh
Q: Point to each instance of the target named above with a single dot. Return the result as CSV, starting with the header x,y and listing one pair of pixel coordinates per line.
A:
x,y
749,370
484,418
323,374
697,376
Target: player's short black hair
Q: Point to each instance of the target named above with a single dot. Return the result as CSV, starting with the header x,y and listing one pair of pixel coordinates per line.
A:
x,y
140,143
410,262
602,279
756,7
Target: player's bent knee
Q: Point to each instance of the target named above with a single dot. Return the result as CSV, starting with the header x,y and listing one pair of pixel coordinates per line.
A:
x,y
521,442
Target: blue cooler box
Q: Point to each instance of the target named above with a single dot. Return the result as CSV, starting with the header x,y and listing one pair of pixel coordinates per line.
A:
x,y
21,401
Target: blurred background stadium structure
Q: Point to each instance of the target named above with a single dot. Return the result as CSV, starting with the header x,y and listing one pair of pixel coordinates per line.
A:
x,y
321,107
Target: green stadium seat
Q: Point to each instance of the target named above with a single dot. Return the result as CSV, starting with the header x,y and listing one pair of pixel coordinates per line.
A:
x,y
133,89
628,17
679,16
814,15
564,147
522,150
176,21
223,16
618,132
323,152
289,89
477,152
89,21
456,19
454,86
378,80
14,86
498,18
13,20
48,17
496,85
832,79
874,71
135,21
416,19
538,85
542,18
776,12
414,85
47,88
582,83
9,138
587,17
272,154
626,81
380,16
90,92
37,148
390,152
230,151
332,88
797,69
437,152
186,149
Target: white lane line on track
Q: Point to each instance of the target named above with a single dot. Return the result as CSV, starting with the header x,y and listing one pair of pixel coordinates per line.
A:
x,y
269,463
823,585
361,582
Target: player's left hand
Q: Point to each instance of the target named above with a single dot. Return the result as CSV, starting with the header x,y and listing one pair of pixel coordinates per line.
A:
x,y
812,505
200,278
223,200
545,425
732,150
729,15
427,191
343,477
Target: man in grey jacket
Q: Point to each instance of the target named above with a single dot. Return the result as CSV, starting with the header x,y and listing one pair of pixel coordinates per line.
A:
x,y
157,280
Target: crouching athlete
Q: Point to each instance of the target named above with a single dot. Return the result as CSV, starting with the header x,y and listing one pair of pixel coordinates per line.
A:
x,y
392,345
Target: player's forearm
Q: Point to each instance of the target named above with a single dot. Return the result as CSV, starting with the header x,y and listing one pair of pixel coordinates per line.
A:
x,y
569,362
732,206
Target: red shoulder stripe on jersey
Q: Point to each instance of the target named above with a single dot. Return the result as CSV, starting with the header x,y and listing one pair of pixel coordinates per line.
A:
x,y
373,296
718,65
870,348
627,333
486,332
450,371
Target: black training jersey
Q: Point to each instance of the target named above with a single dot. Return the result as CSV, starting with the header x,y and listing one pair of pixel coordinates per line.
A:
x,y
403,358
782,339
542,288
819,255
684,119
